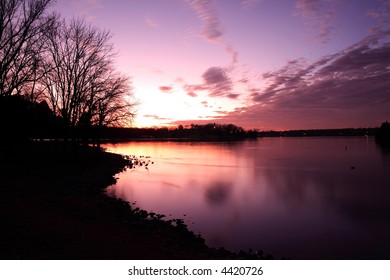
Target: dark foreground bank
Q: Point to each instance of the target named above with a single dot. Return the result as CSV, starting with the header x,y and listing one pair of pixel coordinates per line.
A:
x,y
53,206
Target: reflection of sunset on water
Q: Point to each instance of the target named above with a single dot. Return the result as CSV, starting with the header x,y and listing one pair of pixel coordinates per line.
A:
x,y
251,194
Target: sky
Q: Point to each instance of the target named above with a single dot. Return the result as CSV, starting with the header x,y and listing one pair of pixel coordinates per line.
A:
x,y
263,64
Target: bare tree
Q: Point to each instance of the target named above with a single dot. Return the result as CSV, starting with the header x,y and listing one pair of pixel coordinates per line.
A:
x,y
81,85
116,106
22,24
75,51
111,101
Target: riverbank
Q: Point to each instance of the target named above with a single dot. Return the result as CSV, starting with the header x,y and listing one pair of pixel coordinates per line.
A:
x,y
53,206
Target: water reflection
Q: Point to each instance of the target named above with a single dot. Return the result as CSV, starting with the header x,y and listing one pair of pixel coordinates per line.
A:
x,y
293,197
218,193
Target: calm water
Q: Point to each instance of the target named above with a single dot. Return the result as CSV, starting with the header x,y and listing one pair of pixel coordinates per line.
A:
x,y
302,198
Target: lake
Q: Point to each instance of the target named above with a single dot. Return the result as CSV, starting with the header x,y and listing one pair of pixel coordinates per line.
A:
x,y
299,198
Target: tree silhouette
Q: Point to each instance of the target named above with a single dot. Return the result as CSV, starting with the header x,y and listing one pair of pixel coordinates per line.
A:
x,y
81,84
68,66
110,100
382,136
22,24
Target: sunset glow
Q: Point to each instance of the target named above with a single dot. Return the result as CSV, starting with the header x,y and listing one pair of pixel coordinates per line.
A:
x,y
261,64
242,130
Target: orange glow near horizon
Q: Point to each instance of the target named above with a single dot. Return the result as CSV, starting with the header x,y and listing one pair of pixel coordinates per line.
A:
x,y
163,109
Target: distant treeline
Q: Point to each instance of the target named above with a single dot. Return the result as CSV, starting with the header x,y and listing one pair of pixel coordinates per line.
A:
x,y
321,132
214,131
211,131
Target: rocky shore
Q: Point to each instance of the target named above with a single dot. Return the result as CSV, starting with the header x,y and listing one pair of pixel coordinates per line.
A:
x,y
53,206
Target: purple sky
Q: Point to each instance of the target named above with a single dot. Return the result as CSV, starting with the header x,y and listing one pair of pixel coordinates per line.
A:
x,y
265,64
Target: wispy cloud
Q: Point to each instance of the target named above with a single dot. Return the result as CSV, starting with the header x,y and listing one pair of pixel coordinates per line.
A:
x,y
317,15
155,117
212,29
205,104
87,8
152,22
193,90
382,13
246,4
348,88
212,26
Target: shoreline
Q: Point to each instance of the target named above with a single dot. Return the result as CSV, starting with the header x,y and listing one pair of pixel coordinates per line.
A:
x,y
53,206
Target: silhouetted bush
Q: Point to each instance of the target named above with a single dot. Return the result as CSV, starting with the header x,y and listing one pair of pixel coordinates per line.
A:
x,y
21,120
382,136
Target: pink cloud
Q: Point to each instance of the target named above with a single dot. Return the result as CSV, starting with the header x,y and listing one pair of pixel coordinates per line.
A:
x,y
215,75
216,82
166,89
317,14
350,88
193,89
246,4
382,13
192,94
212,27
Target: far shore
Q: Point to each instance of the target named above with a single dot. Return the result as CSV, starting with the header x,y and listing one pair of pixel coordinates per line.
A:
x,y
53,206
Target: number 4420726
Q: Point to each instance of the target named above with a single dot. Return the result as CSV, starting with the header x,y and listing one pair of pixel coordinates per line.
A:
x,y
248,270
